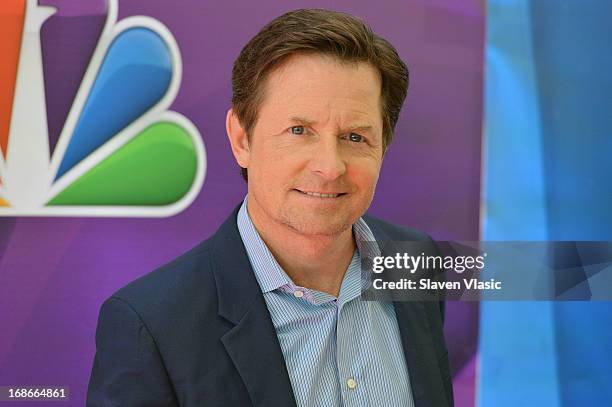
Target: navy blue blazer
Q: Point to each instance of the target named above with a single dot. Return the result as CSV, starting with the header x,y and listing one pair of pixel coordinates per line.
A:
x,y
197,332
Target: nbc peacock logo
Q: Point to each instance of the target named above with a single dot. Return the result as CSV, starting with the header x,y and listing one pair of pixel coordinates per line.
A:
x,y
120,151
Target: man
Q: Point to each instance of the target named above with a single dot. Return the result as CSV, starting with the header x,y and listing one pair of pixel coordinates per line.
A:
x,y
267,312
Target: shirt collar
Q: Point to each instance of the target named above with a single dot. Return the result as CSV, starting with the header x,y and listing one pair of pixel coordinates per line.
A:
x,y
269,274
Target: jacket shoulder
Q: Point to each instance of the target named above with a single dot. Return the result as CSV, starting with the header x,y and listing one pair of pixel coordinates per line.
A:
x,y
385,231
174,288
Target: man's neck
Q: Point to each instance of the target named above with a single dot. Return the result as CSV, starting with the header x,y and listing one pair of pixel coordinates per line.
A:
x,y
317,262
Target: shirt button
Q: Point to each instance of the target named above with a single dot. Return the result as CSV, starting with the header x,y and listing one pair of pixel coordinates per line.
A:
x,y
351,383
298,293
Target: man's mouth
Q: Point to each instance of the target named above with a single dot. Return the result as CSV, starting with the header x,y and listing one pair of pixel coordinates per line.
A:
x,y
321,194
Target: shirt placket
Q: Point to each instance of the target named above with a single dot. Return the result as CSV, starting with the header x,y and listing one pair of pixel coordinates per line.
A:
x,y
350,370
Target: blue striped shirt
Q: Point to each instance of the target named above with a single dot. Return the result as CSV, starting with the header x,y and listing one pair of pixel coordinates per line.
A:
x,y
338,351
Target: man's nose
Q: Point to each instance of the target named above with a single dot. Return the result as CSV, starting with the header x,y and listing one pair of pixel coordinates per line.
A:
x,y
327,161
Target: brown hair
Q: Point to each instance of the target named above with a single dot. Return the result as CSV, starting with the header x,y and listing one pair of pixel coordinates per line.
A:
x,y
324,32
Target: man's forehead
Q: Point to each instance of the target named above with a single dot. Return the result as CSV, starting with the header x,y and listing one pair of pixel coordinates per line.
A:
x,y
312,83
307,112
314,73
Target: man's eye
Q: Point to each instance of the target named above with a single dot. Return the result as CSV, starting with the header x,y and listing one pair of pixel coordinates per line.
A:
x,y
356,138
297,130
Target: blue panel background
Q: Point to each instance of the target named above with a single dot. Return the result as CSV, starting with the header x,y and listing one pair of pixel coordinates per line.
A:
x,y
547,176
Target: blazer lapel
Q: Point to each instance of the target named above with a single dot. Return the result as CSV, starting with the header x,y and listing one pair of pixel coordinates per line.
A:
x,y
252,343
421,358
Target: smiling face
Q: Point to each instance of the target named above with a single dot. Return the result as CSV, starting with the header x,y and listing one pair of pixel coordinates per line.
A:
x,y
315,152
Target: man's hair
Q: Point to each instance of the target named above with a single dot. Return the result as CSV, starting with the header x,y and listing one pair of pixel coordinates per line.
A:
x,y
316,31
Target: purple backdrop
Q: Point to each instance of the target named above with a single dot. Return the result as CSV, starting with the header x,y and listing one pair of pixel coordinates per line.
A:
x,y
55,272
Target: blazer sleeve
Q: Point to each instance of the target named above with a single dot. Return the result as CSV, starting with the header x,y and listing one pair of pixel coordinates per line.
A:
x,y
127,369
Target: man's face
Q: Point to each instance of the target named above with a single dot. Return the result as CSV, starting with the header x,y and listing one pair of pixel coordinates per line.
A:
x,y
316,150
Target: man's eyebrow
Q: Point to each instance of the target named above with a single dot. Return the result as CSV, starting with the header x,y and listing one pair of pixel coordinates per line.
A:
x,y
361,128
307,122
302,120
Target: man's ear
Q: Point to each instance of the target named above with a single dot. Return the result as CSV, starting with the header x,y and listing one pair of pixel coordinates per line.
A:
x,y
238,139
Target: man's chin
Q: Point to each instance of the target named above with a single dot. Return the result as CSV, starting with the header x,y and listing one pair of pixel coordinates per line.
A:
x,y
319,227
